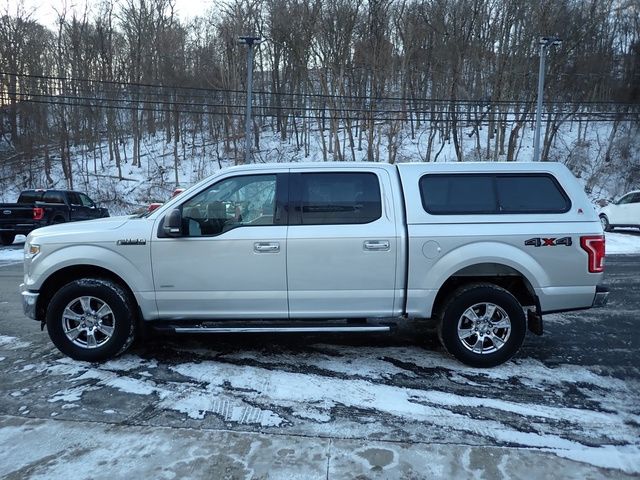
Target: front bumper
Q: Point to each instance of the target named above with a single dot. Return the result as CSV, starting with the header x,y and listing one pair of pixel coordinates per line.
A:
x,y
29,302
602,296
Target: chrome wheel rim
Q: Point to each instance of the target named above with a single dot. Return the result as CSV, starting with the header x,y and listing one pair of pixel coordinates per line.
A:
x,y
484,328
88,322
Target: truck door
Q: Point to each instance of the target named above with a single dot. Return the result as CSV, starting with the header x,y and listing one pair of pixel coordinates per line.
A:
x,y
626,212
89,210
230,261
341,244
77,208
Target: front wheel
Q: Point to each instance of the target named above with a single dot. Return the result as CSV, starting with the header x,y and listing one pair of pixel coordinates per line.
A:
x,y
482,325
7,238
91,319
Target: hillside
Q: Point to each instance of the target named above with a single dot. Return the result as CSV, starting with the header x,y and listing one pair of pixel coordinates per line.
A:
x,y
95,174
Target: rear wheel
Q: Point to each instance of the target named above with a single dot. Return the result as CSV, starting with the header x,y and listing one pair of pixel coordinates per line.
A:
x,y
604,221
7,238
482,325
58,220
91,319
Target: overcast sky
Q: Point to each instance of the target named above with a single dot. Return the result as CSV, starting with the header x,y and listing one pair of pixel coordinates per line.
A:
x,y
44,11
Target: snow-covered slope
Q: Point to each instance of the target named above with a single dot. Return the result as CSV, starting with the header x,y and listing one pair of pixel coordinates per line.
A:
x,y
199,157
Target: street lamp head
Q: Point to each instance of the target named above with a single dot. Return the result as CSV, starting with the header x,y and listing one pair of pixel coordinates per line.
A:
x,y
548,41
247,40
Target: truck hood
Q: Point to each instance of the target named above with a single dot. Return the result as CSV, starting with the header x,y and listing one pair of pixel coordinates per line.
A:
x,y
78,231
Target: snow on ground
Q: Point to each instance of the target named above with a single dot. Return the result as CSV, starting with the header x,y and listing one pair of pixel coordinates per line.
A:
x,y
281,392
619,243
9,255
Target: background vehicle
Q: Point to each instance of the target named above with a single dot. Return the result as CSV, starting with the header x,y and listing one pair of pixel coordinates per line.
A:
x,y
486,249
39,208
625,212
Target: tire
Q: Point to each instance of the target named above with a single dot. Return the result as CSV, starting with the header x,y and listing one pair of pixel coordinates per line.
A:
x,y
488,345
606,226
7,238
91,308
58,221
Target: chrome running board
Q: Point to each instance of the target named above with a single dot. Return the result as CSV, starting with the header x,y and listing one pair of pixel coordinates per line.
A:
x,y
282,329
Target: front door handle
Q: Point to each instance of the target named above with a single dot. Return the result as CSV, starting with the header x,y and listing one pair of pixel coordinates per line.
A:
x,y
378,245
266,247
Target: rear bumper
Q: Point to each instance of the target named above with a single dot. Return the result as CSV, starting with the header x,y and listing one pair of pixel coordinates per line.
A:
x,y
601,297
29,302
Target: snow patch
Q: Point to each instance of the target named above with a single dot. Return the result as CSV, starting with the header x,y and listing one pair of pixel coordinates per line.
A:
x,y
622,243
70,395
12,343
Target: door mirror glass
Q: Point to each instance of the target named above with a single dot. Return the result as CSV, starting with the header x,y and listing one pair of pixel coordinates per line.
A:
x,y
173,223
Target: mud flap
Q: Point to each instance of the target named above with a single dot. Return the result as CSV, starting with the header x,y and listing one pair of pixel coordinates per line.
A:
x,y
534,322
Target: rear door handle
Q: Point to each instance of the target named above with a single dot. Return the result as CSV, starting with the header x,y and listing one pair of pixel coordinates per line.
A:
x,y
266,247
379,245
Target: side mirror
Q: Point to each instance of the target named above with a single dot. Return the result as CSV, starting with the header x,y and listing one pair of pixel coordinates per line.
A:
x,y
173,223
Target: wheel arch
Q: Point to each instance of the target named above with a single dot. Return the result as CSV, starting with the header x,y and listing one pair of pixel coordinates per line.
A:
x,y
68,274
498,274
513,269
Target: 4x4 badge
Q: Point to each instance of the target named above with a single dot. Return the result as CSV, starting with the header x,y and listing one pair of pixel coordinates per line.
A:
x,y
548,242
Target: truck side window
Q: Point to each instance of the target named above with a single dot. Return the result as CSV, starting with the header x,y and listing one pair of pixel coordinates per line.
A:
x,y
247,200
458,194
531,194
472,194
339,198
73,198
53,197
85,201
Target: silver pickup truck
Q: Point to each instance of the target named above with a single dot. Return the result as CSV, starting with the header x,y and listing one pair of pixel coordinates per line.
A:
x,y
484,248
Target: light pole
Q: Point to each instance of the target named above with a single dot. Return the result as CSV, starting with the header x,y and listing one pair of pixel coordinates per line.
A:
x,y
249,42
545,43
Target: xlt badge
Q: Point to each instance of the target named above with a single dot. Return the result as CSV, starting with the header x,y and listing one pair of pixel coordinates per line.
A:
x,y
132,241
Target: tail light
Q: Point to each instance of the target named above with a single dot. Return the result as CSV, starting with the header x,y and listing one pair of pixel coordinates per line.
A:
x,y
38,213
594,246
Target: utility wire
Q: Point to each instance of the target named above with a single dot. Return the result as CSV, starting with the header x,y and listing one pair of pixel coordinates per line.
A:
x,y
303,95
133,103
505,117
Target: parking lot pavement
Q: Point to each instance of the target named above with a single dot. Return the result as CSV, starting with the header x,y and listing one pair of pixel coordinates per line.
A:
x,y
327,406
